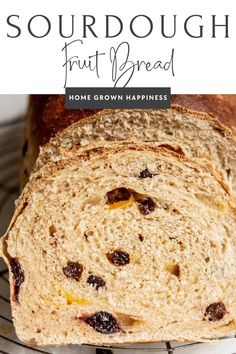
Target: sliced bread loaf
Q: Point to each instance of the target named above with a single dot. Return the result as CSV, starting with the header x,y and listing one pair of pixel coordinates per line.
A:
x,y
124,243
199,126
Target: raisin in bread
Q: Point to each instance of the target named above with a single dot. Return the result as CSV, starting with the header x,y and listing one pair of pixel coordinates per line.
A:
x,y
197,125
123,243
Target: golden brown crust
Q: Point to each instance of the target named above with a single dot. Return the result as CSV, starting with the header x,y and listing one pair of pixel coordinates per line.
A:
x,y
47,118
222,107
50,116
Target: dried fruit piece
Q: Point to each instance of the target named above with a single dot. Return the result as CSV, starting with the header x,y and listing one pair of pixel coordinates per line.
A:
x,y
118,195
215,312
96,281
126,320
146,206
73,270
145,174
223,206
123,203
71,299
52,230
118,258
173,269
103,322
18,277
141,238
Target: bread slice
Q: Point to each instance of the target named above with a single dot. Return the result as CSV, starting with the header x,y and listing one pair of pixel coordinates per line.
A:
x,y
201,125
124,243
45,117
194,134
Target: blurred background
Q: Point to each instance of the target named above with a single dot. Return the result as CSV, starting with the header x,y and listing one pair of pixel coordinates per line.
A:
x,y
12,113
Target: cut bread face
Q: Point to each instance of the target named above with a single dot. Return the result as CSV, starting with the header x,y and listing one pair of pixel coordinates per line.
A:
x,y
126,243
195,134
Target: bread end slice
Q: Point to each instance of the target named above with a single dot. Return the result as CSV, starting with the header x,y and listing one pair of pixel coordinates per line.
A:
x,y
123,244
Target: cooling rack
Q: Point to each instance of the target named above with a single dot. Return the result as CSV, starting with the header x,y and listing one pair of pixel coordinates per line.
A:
x,y
10,137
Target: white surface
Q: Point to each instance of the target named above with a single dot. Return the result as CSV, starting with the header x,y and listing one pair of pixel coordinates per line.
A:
x,y
35,65
12,107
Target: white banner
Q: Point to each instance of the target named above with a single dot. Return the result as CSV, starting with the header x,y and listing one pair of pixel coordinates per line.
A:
x,y
47,45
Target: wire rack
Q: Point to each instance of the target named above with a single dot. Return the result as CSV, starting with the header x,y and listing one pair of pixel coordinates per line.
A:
x,y
10,137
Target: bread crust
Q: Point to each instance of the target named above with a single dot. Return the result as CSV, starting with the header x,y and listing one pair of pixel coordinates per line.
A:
x,y
49,115
222,107
48,118
224,129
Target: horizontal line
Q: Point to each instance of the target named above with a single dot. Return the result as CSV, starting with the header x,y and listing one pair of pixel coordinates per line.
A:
x,y
12,122
4,299
191,344
6,319
2,352
23,345
3,271
127,348
168,346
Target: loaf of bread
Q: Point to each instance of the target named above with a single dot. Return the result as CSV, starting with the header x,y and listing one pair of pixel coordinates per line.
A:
x,y
123,243
198,125
126,229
